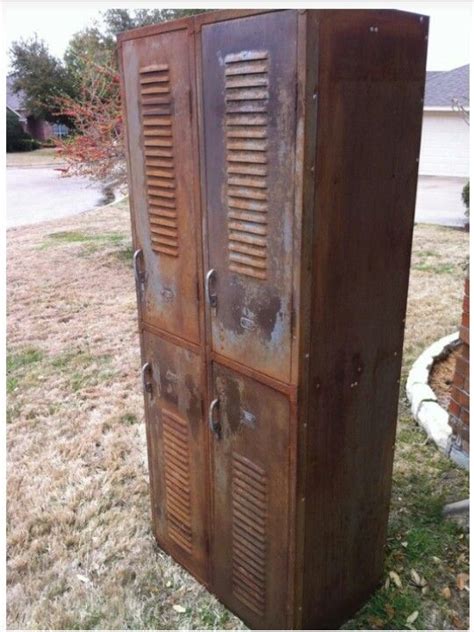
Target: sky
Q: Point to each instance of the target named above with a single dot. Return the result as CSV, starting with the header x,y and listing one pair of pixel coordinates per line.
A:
x,y
55,22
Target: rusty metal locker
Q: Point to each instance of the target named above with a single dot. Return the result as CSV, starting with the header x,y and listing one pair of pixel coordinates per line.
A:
x,y
272,163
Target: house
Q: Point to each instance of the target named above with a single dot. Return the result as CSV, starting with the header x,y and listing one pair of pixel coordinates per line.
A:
x,y
37,128
445,136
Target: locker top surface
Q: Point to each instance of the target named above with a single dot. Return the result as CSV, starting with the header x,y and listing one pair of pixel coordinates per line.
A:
x,y
195,22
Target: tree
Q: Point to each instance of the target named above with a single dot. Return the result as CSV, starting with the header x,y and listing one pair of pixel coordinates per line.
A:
x,y
40,77
97,149
119,20
90,43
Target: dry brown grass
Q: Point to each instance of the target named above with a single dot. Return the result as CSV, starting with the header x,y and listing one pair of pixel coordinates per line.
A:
x,y
80,549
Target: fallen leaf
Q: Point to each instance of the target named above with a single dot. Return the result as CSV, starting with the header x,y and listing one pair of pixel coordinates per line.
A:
x,y
416,579
376,623
389,610
168,584
179,609
461,580
83,578
387,583
446,592
405,544
395,577
413,617
425,590
457,622
436,559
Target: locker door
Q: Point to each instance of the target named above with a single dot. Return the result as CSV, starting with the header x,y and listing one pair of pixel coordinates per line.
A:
x,y
251,483
158,101
249,102
177,451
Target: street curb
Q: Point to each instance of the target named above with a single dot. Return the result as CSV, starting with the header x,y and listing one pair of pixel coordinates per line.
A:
x,y
115,201
424,403
47,165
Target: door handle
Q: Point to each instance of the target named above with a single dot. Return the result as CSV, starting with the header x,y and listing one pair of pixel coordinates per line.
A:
x,y
215,427
139,274
146,373
211,296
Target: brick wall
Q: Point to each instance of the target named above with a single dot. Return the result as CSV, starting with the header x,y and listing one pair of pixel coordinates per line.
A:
x,y
459,405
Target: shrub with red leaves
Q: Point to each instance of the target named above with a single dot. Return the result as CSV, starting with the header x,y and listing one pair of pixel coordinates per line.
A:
x,y
96,147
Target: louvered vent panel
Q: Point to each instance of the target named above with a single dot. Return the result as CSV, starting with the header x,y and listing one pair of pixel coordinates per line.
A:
x,y
249,516
177,483
246,100
157,121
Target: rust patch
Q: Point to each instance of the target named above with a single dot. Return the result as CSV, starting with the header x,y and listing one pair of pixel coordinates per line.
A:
x,y
251,312
267,315
233,407
168,382
193,408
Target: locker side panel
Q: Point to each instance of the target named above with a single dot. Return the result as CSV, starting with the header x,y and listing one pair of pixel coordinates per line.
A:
x,y
371,85
251,499
249,125
157,87
177,445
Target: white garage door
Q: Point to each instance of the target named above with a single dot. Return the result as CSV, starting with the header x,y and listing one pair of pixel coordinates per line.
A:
x,y
444,144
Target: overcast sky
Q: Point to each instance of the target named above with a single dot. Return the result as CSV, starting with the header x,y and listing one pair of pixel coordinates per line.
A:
x,y
55,22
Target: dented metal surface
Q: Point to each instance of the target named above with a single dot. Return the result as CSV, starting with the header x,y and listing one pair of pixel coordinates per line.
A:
x,y
161,180
251,470
249,93
271,403
177,459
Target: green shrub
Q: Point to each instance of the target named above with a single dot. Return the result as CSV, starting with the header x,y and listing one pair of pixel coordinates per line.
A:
x,y
28,144
49,143
465,196
17,138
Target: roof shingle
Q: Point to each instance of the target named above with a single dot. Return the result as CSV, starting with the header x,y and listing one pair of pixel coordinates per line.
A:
x,y
443,86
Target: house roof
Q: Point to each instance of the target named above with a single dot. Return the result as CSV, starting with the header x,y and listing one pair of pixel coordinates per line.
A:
x,y
443,86
14,99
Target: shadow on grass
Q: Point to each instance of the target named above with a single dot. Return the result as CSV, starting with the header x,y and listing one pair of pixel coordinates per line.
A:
x,y
421,540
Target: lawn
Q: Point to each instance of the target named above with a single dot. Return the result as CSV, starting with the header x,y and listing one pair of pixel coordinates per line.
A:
x,y
38,158
80,549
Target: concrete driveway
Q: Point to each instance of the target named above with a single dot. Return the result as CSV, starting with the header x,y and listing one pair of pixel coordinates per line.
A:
x,y
438,201
38,194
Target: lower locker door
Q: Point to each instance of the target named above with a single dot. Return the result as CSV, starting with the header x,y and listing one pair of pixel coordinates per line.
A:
x,y
251,483
177,451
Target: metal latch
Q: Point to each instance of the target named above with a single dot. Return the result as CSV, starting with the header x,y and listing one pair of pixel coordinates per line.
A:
x,y
147,377
139,273
210,292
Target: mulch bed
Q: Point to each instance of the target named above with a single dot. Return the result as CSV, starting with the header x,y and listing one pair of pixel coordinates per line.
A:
x,y
441,377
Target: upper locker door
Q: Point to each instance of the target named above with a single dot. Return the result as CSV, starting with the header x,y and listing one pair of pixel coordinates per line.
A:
x,y
249,111
157,89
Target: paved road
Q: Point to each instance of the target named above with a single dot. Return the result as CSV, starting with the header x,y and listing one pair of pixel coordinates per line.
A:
x,y
439,201
38,194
